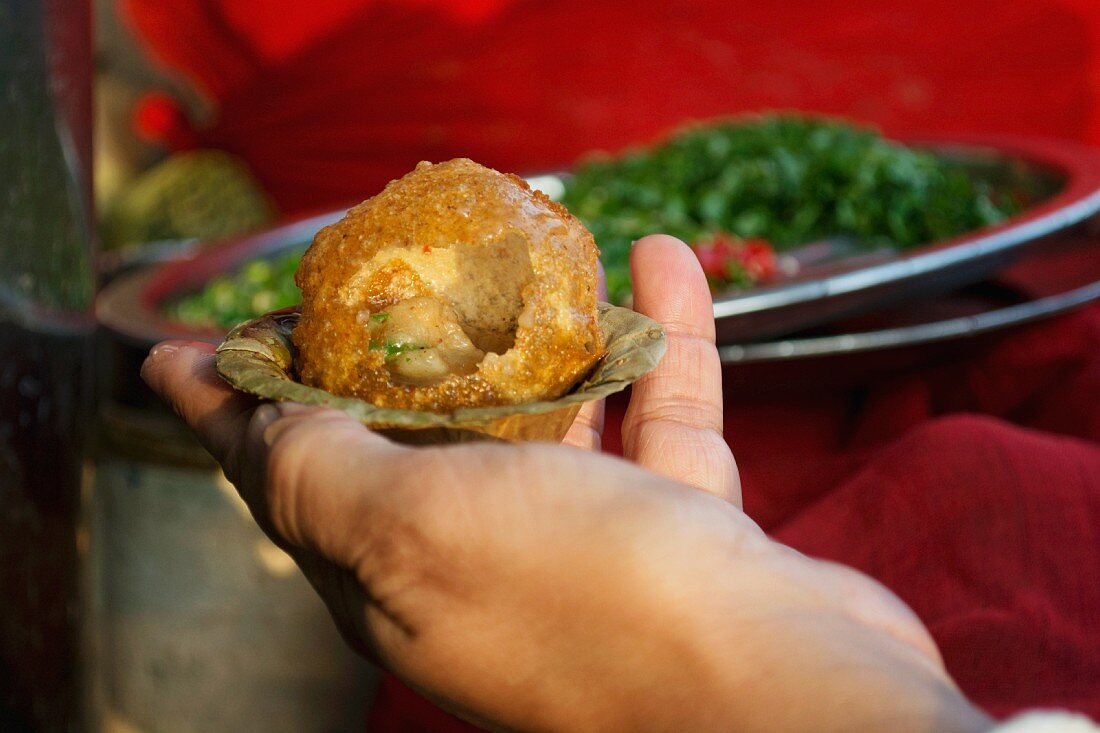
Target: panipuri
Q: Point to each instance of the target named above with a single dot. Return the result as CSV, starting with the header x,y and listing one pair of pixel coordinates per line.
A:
x,y
455,287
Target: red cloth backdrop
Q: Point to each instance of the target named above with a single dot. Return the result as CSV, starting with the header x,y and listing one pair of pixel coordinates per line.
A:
x,y
329,100
971,488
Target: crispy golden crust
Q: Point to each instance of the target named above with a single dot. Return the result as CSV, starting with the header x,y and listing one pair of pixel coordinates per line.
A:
x,y
516,269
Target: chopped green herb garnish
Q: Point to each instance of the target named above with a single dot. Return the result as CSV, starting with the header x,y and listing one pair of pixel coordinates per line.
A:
x,y
786,179
379,317
260,286
394,349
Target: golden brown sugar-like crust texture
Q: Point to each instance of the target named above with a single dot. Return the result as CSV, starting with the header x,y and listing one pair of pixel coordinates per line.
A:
x,y
513,268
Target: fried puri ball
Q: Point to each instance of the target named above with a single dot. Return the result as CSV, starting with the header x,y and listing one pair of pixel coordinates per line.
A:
x,y
456,286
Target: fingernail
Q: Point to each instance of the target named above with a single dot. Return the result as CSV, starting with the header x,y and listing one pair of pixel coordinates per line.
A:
x,y
160,351
163,349
167,348
286,409
274,427
261,420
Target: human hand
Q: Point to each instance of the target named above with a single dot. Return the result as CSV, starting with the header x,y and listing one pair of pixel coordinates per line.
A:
x,y
541,587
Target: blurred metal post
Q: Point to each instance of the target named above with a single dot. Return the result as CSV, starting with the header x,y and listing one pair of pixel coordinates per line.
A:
x,y
46,330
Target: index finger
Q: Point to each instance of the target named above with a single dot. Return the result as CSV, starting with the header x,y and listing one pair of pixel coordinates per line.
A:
x,y
241,437
673,425
587,429
182,373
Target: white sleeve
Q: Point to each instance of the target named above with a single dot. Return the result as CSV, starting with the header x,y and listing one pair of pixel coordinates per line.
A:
x,y
1047,721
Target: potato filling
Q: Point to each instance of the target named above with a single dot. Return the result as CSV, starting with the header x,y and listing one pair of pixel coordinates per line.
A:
x,y
423,342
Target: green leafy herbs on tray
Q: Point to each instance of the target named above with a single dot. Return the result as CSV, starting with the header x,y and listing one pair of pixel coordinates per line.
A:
x,y
786,180
738,191
260,286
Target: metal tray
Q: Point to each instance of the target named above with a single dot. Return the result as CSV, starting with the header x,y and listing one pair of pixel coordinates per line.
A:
x,y
1062,178
893,342
1065,178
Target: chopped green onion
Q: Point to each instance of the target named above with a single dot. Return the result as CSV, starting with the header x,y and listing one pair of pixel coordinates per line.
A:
x,y
788,179
396,349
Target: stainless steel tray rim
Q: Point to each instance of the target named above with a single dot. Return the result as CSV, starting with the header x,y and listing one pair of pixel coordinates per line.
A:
x,y
1004,237
924,333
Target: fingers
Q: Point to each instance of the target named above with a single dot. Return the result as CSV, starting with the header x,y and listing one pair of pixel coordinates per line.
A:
x,y
275,455
587,429
674,423
328,478
182,373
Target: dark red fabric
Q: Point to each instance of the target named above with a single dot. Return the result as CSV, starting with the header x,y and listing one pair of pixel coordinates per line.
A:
x,y
970,486
328,101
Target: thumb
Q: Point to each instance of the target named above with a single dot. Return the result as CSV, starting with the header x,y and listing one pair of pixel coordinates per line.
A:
x,y
673,425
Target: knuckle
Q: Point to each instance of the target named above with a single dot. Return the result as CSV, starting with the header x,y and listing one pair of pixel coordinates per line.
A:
x,y
698,457
689,333
691,357
679,409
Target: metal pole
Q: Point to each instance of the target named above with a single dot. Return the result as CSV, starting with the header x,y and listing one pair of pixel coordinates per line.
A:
x,y
46,336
